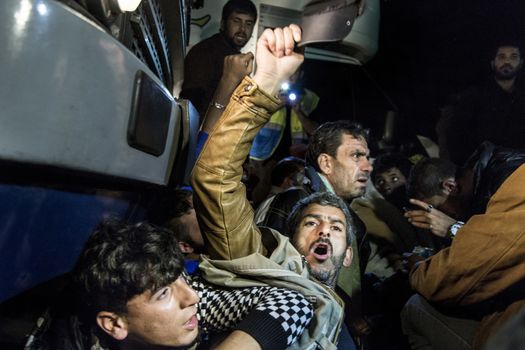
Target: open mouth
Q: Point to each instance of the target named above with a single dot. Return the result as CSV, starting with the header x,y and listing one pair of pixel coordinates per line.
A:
x,y
192,323
321,251
363,180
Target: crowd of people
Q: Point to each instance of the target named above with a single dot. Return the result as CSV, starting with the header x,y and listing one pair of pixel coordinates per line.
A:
x,y
339,251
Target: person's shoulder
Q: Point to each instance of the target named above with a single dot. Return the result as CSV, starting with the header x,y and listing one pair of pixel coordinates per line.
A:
x,y
205,45
290,195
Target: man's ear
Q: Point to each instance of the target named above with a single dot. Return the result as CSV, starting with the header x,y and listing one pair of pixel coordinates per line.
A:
x,y
450,186
349,254
113,324
287,183
185,248
222,25
324,161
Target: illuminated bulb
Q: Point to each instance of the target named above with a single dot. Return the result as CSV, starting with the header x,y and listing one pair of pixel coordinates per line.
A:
x,y
292,97
285,86
128,5
42,9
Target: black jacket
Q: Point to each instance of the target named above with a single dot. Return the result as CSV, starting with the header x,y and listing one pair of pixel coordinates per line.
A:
x,y
492,165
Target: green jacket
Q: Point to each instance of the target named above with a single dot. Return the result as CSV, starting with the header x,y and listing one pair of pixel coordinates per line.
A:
x,y
238,256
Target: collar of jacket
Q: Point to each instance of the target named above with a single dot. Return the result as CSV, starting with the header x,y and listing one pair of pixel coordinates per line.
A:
x,y
316,181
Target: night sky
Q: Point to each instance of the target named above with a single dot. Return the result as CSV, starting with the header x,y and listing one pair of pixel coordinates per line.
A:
x,y
428,50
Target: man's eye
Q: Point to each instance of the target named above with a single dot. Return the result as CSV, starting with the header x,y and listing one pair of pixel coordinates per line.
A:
x,y
359,155
395,179
337,228
163,293
309,223
380,182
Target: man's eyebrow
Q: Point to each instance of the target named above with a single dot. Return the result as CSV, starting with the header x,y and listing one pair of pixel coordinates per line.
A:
x,y
320,217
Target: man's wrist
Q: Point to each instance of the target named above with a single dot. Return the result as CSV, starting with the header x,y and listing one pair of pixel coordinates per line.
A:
x,y
267,82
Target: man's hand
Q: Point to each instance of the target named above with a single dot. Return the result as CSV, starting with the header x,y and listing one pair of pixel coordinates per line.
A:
x,y
276,60
429,218
236,67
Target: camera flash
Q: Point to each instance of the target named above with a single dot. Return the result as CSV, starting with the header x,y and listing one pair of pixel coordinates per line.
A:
x,y
285,86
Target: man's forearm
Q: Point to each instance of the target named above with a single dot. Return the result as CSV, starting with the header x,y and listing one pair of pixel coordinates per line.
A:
x,y
238,340
224,212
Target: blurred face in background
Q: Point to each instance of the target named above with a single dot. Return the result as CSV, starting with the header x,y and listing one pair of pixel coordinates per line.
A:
x,y
507,63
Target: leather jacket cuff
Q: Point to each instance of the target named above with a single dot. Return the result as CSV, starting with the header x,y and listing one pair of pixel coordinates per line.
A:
x,y
248,93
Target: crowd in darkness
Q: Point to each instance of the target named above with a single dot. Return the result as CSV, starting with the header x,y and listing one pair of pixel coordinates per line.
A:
x,y
299,234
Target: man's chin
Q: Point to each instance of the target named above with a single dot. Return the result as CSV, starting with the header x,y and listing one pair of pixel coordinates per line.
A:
x,y
506,75
240,44
323,274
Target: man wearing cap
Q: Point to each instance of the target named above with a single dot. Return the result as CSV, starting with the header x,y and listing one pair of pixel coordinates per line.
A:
x,y
203,65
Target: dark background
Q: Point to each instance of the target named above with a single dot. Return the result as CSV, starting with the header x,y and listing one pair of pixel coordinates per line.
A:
x,y
428,50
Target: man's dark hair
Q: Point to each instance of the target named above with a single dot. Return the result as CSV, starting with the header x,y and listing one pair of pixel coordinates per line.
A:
x,y
286,167
169,205
388,161
240,6
121,260
427,176
324,199
506,43
327,138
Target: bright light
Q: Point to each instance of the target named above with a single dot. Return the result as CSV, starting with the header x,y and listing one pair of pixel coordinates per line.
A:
x,y
42,9
128,5
292,96
22,15
285,86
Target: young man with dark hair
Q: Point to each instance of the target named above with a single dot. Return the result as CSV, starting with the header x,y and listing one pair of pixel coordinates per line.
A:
x,y
390,174
174,210
430,180
203,65
131,283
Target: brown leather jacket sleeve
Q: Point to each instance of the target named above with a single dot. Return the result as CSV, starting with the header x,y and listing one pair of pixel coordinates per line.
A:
x,y
224,213
485,258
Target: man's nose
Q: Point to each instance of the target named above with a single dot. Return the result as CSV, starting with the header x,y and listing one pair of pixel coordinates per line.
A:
x,y
244,28
324,229
187,295
366,165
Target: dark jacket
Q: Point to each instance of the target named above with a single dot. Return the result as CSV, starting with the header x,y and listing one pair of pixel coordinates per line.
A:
x,y
486,113
492,165
203,67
